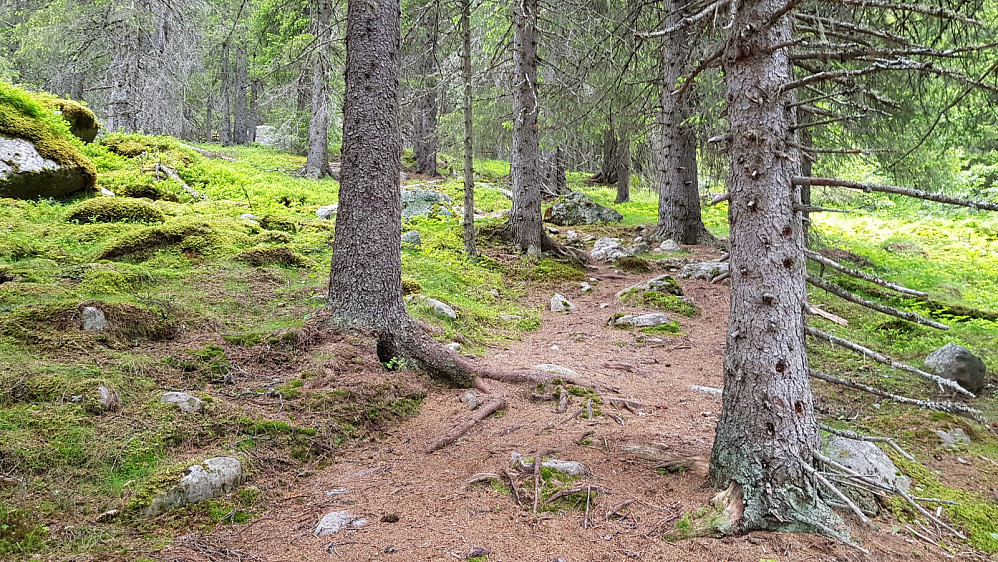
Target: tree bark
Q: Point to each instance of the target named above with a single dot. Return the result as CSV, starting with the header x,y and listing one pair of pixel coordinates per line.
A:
x,y
317,162
624,168
469,149
365,282
767,430
525,228
425,115
679,215
240,111
225,83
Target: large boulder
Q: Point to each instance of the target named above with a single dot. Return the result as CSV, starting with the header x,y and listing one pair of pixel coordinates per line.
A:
x,y
204,481
703,270
958,364
82,122
608,250
37,158
869,460
420,202
576,208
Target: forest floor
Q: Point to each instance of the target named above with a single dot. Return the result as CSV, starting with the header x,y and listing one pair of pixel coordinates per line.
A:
x,y
419,505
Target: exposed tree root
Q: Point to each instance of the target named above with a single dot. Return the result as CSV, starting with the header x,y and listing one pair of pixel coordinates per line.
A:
x,y
884,360
939,406
485,411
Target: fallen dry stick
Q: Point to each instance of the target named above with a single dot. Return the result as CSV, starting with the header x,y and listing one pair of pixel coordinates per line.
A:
x,y
616,509
485,411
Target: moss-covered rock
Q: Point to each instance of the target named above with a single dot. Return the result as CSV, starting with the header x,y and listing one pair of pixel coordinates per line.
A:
x,y
115,209
82,122
189,235
38,158
132,145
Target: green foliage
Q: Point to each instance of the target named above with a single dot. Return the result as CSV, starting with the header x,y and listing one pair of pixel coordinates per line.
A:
x,y
19,535
115,209
663,301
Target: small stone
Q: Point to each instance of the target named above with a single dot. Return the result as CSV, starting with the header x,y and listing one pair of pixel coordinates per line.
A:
x,y
608,250
337,492
470,399
326,212
441,309
477,552
455,347
560,304
954,437
604,305
108,398
557,370
336,521
412,239
94,319
571,236
249,217
670,245
639,239
107,192
642,320
553,230
186,402
703,270
585,287
640,248
555,348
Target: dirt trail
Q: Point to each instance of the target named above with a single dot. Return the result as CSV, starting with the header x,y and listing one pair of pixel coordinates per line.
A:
x,y
439,518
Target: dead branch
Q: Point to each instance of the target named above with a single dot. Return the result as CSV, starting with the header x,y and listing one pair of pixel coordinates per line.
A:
x,y
720,198
883,309
838,493
687,21
173,175
936,405
811,309
871,439
615,510
485,411
934,11
584,435
720,278
861,275
918,194
575,415
542,397
813,209
512,486
568,492
209,154
884,360
614,417
482,477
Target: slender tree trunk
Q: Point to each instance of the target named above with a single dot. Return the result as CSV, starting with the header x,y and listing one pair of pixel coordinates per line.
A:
x,y
240,111
254,110
624,168
469,149
525,227
225,125
317,163
767,429
365,282
425,115
679,194
611,156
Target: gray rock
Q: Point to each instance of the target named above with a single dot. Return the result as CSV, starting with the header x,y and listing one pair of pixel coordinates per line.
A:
x,y
670,245
557,370
440,309
868,460
608,250
957,363
211,478
336,521
26,174
571,236
640,248
661,284
642,320
703,270
186,402
477,552
455,347
576,208
954,437
327,212
571,468
412,239
270,136
94,319
585,287
420,202
108,398
106,192
470,399
560,304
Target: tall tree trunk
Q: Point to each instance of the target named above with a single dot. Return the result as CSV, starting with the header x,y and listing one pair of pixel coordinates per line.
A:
x,y
317,163
240,112
225,124
425,115
469,149
365,281
611,156
679,194
525,227
767,429
624,168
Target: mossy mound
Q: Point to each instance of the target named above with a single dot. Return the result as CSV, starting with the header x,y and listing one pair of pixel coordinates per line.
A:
x,y
129,183
633,264
273,237
271,222
131,145
24,116
82,122
188,235
115,209
280,255
38,324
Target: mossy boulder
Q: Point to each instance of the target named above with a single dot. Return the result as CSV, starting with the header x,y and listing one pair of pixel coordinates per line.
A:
x,y
115,209
126,322
189,235
82,122
38,157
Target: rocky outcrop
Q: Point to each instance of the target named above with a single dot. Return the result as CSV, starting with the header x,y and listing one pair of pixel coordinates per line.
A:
x,y
661,284
958,364
421,202
576,208
641,320
209,479
869,460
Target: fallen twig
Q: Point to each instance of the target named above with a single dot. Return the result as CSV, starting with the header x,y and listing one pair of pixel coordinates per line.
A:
x,y
485,411
616,509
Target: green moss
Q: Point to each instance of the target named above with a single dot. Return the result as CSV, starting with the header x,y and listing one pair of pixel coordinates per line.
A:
x,y
410,286
189,235
280,255
273,237
35,324
23,116
19,534
662,301
115,209
633,264
274,222
670,328
82,122
132,145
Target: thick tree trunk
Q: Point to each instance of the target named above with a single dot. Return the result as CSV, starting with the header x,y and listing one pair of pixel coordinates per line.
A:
x,y
425,115
679,193
240,111
525,227
469,149
610,164
624,169
767,429
365,282
317,163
